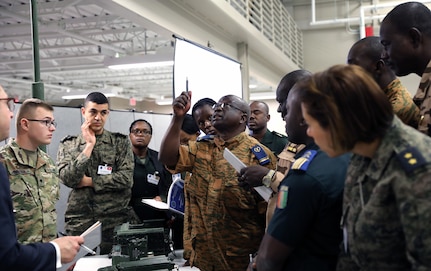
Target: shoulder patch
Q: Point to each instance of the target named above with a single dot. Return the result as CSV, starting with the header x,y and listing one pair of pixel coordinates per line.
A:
x,y
119,135
411,159
278,134
260,154
205,138
303,162
66,138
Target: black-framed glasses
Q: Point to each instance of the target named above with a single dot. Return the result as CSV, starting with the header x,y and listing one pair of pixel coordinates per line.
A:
x,y
48,123
10,103
141,132
226,105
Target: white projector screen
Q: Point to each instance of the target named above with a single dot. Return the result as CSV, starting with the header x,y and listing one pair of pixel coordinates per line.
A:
x,y
207,73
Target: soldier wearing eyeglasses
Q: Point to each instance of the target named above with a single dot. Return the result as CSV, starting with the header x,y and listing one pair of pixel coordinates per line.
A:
x,y
34,181
150,178
98,166
227,220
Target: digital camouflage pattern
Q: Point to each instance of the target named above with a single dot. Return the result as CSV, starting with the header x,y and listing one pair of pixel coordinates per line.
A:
x,y
274,141
225,222
423,101
402,103
387,205
34,187
108,199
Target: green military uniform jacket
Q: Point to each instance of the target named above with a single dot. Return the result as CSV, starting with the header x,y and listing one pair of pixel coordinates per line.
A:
x,y
274,141
109,197
387,205
34,187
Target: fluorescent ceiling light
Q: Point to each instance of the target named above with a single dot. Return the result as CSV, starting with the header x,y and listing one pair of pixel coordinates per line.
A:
x,y
262,96
139,61
83,96
141,65
164,102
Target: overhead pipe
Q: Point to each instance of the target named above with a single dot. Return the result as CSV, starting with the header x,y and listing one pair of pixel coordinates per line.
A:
x,y
362,18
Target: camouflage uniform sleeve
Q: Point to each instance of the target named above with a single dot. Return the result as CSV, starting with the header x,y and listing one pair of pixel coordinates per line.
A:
x,y
186,158
71,162
122,175
345,262
415,209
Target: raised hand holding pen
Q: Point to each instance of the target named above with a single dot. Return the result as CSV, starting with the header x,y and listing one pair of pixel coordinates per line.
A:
x,y
182,103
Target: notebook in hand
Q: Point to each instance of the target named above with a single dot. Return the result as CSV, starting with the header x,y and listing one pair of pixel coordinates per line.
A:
x,y
175,198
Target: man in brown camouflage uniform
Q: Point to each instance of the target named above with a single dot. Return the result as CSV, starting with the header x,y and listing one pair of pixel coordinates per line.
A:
x,y
406,35
367,54
98,165
228,219
34,182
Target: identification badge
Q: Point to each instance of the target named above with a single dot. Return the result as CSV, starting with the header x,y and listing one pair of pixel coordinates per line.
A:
x,y
104,170
153,179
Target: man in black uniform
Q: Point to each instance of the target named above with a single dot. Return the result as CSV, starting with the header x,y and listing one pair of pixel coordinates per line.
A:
x,y
304,233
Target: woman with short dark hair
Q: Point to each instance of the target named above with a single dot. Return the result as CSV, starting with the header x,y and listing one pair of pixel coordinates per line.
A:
x,y
387,195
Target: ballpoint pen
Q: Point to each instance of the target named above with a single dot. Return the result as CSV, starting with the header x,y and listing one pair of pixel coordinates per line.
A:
x,y
89,250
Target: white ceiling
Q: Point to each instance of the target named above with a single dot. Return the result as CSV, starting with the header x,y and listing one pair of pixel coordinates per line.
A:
x,y
75,38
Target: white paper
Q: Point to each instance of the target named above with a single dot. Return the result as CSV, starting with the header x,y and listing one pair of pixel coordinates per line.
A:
x,y
177,186
264,192
92,238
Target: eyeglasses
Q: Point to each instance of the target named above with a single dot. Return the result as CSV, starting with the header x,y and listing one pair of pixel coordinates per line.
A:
x,y
139,132
226,105
48,123
10,103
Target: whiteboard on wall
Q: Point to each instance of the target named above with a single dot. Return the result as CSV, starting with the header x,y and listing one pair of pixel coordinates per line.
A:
x,y
207,73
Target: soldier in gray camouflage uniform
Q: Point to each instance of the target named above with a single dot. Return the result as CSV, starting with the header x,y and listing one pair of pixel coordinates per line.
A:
x,y
406,35
98,165
33,176
387,195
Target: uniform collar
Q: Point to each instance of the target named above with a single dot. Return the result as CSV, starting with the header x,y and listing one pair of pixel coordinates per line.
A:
x,y
21,155
385,151
232,142
105,137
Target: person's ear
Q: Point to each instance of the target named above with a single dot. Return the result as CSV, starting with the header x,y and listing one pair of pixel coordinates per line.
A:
x,y
24,124
380,65
244,118
415,36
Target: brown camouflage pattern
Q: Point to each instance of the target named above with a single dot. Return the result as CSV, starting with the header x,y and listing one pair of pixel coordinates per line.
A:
x,y
423,101
402,103
108,199
34,187
225,222
285,160
387,206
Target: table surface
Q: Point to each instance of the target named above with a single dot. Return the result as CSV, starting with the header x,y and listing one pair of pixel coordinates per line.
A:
x,y
92,263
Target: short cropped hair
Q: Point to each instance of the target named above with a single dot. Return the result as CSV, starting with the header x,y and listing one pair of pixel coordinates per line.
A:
x,y
28,108
201,103
189,125
140,120
408,15
347,101
96,97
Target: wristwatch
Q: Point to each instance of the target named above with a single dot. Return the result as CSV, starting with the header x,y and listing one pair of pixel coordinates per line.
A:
x,y
267,179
